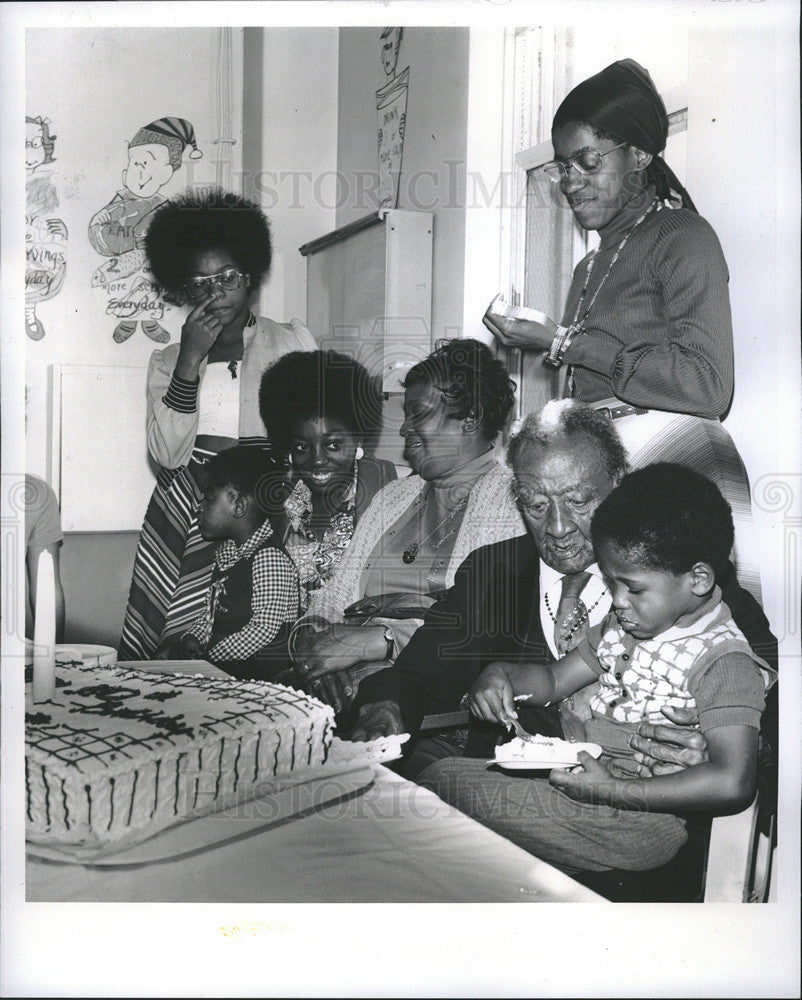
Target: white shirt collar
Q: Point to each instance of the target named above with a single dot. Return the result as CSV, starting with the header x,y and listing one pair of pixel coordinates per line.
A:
x,y
550,576
595,595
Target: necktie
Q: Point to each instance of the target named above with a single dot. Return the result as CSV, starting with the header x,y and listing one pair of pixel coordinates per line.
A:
x,y
571,620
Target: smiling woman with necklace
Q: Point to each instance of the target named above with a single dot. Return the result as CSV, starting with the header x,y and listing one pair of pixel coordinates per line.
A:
x,y
646,333
410,541
209,250
322,409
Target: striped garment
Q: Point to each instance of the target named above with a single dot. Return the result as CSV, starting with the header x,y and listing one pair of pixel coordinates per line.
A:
x,y
706,447
173,564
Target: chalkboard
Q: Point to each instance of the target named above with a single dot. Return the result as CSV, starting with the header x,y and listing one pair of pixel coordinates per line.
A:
x,y
100,466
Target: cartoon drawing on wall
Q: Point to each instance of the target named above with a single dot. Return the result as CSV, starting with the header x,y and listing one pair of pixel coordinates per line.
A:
x,y
391,109
118,230
45,235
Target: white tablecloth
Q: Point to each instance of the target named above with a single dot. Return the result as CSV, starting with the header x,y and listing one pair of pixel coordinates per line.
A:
x,y
393,842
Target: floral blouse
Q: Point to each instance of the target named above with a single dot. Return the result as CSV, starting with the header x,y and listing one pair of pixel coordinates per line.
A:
x,y
316,559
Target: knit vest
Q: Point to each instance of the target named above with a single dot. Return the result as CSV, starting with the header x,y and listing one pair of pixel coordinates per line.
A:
x,y
657,672
232,591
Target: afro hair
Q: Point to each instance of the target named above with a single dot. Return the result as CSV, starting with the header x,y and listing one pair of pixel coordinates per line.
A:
x,y
204,220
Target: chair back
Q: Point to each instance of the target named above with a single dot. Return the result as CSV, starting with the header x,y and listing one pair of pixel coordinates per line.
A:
x,y
739,859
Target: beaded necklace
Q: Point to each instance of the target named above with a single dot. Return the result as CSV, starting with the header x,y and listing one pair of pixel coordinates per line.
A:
x,y
582,616
577,327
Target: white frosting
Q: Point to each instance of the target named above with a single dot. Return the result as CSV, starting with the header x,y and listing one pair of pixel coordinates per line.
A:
x,y
544,750
120,751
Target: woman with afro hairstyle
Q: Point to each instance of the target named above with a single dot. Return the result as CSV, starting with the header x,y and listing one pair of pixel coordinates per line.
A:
x,y
319,409
209,250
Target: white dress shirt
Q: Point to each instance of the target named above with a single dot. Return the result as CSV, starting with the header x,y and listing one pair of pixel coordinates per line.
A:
x,y
595,596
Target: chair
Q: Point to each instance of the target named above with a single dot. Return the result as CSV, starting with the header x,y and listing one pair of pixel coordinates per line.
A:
x,y
730,865
739,859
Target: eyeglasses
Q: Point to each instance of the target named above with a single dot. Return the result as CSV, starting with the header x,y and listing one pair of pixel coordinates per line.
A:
x,y
200,285
587,161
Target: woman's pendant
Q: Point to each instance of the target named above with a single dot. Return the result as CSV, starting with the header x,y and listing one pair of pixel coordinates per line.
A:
x,y
411,554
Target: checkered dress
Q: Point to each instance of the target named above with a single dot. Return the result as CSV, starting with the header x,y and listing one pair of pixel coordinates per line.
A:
x,y
274,598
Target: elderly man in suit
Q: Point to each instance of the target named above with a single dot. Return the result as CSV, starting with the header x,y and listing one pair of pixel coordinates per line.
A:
x,y
530,599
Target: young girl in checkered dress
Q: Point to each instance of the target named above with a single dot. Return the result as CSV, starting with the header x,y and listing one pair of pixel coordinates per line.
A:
x,y
254,594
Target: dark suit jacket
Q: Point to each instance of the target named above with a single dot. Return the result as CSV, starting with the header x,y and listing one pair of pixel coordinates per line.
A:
x,y
492,613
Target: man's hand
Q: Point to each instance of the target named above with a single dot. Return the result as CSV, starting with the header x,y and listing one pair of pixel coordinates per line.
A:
x,y
668,749
339,647
492,698
335,689
380,718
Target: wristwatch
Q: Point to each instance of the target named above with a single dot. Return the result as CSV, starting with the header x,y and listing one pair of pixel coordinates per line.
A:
x,y
388,638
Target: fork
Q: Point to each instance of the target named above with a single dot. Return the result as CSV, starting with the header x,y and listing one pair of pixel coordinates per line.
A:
x,y
521,733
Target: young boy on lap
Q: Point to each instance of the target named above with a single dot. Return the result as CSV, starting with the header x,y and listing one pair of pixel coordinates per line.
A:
x,y
254,594
660,538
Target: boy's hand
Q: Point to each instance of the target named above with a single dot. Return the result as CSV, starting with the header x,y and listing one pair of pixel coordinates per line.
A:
x,y
492,697
587,783
168,649
191,648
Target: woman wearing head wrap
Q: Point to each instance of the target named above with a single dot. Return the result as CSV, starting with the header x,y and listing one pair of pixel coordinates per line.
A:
x,y
646,332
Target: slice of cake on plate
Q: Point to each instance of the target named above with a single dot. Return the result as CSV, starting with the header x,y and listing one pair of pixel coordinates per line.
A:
x,y
542,751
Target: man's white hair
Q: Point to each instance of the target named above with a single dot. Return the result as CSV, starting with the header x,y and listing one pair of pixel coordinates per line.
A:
x,y
567,418
552,414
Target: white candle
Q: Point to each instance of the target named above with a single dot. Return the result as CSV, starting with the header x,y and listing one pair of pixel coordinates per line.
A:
x,y
44,631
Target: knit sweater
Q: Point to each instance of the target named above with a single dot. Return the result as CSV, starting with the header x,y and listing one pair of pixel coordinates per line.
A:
x,y
490,516
706,666
171,432
659,335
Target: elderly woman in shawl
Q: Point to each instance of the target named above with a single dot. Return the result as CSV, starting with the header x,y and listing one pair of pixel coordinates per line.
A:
x,y
646,333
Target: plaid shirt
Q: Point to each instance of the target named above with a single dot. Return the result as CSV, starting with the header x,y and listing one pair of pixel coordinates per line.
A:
x,y
275,600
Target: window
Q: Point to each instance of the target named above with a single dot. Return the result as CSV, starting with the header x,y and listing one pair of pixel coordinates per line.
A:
x,y
545,243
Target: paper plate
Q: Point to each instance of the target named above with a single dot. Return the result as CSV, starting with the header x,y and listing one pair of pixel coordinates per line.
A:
x,y
87,653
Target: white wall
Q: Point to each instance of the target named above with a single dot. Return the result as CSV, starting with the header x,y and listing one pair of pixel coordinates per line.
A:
x,y
298,155
432,173
743,163
98,87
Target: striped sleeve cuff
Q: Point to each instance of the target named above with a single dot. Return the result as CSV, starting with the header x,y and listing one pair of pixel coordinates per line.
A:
x,y
182,395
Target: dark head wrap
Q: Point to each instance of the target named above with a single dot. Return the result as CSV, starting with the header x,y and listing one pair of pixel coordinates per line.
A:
x,y
622,103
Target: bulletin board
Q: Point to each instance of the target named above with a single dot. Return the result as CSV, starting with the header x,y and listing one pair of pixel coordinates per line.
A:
x,y
98,460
